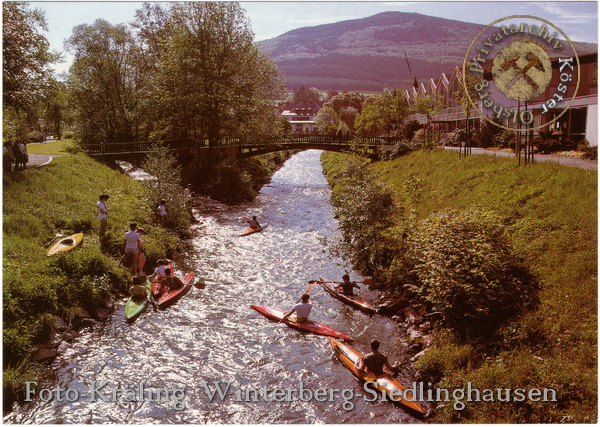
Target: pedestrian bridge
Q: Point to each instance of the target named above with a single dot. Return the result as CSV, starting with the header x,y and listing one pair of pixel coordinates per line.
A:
x,y
235,147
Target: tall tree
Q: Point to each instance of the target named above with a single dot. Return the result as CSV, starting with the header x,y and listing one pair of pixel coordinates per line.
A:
x,y
103,80
339,113
383,114
25,55
206,79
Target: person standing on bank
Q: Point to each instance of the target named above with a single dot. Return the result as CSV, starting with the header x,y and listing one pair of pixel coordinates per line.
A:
x,y
133,244
162,213
102,214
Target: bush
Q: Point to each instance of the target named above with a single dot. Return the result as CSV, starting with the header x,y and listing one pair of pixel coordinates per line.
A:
x,y
409,128
456,138
35,136
464,268
399,149
505,139
589,152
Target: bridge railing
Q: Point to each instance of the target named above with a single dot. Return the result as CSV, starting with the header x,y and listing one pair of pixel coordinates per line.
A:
x,y
144,146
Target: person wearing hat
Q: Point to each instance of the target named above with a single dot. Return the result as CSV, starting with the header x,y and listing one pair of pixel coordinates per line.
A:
x,y
102,214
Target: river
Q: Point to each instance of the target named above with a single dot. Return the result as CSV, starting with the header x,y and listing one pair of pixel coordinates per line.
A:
x,y
212,335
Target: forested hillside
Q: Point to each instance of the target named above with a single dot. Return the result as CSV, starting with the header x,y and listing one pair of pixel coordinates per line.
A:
x,y
370,54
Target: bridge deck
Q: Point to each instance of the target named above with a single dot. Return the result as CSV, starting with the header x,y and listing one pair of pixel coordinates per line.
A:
x,y
296,141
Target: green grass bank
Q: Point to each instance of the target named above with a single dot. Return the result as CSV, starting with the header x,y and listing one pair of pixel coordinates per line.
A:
x,y
61,198
549,215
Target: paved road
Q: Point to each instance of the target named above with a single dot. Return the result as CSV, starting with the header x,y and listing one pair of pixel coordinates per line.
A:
x,y
583,164
37,160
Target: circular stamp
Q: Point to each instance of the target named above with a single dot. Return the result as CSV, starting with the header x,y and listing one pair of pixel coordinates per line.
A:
x,y
521,72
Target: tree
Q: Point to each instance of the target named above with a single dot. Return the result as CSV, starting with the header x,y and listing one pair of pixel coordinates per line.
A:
x,y
383,114
102,82
339,113
165,183
428,105
204,78
25,55
306,95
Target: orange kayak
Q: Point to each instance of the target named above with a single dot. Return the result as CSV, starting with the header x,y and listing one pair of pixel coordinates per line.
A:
x,y
384,383
308,326
253,230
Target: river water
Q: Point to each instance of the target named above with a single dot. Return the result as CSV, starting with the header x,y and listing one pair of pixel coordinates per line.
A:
x,y
212,335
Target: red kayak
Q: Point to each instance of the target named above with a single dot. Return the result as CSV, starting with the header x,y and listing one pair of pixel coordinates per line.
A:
x,y
352,300
253,230
169,297
308,326
156,286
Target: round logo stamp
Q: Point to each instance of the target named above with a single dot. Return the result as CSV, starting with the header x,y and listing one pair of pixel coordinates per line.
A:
x,y
521,73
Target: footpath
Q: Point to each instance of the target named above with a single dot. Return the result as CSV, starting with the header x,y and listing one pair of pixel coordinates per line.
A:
x,y
578,163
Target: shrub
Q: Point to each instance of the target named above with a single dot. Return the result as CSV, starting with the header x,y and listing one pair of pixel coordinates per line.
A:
x,y
464,268
399,149
35,136
505,139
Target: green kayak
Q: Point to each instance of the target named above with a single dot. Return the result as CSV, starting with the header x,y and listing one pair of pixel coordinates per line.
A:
x,y
136,306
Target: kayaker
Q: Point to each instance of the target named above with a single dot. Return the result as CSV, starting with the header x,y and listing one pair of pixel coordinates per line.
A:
x,y
171,282
137,291
347,287
133,243
253,223
302,311
374,362
161,266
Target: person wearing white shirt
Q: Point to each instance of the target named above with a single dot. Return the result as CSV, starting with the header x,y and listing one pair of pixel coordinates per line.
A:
x,y
133,243
102,214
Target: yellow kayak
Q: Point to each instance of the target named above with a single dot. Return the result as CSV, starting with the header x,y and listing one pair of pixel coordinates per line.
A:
x,y
66,244
384,383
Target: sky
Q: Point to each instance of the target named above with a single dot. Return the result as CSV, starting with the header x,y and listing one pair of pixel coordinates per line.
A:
x,y
579,20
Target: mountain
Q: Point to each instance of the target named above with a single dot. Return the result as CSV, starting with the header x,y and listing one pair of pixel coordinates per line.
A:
x,y
373,53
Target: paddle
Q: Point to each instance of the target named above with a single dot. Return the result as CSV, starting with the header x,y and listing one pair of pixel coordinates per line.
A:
x,y
368,282
312,283
56,236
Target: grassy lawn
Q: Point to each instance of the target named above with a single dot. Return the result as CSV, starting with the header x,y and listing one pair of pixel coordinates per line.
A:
x,y
54,148
549,212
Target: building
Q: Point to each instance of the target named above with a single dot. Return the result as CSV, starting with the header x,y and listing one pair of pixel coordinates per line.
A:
x,y
302,116
580,121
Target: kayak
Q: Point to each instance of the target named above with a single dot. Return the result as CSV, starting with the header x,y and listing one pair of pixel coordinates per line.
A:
x,y
169,297
354,301
253,230
308,326
135,307
384,383
156,286
66,244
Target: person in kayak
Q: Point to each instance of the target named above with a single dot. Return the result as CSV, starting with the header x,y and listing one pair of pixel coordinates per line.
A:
x,y
161,266
301,310
253,223
374,362
347,287
137,290
171,282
